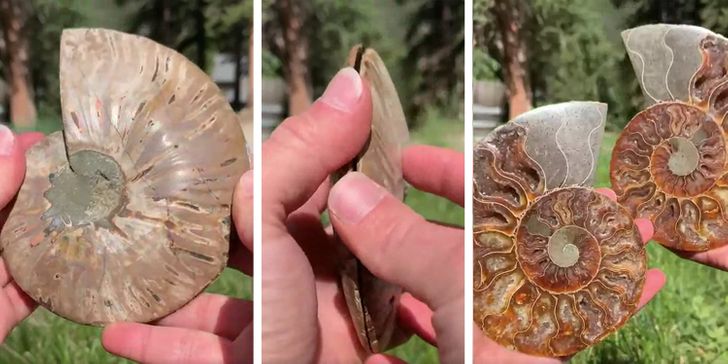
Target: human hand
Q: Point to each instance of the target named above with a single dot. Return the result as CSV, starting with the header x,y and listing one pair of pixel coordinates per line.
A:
x,y
211,328
304,314
15,305
716,258
400,246
488,351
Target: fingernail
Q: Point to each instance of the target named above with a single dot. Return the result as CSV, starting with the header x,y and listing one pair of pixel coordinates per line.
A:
x,y
354,197
344,90
246,184
7,141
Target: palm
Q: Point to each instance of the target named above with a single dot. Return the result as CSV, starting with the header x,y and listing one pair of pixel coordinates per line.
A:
x,y
716,258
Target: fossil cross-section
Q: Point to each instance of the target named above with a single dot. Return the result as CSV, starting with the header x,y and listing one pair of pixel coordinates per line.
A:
x,y
557,266
669,163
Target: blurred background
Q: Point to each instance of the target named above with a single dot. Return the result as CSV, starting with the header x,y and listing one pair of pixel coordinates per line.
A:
x,y
529,53
214,34
421,42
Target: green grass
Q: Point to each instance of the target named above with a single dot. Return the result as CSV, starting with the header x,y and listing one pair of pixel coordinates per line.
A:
x,y
685,323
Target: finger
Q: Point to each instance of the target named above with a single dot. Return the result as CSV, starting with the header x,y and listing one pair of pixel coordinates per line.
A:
x,y
158,344
646,229
305,149
300,154
716,258
416,317
217,314
241,258
28,139
16,306
12,165
21,303
4,274
395,243
607,192
317,203
654,281
439,171
384,359
244,345
242,210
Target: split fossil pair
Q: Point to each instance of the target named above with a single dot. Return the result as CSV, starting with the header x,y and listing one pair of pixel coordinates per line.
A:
x,y
558,266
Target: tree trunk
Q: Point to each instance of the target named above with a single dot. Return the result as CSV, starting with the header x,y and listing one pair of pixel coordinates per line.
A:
x,y
292,16
510,15
15,60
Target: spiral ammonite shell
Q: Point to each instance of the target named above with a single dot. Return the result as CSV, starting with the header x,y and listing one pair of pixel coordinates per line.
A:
x,y
669,163
126,215
557,266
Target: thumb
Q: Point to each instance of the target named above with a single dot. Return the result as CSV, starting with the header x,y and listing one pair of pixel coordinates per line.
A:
x,y
12,165
395,243
400,246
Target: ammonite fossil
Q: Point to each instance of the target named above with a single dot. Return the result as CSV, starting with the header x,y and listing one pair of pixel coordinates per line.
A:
x,y
373,302
125,215
669,163
557,266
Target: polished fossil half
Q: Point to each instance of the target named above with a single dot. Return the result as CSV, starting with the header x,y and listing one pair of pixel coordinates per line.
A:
x,y
125,215
669,163
372,302
557,266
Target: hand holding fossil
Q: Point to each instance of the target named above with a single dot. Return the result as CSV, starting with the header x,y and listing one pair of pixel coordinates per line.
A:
x,y
15,305
488,351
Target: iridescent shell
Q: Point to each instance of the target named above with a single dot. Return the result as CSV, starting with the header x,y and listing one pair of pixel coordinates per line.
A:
x,y
669,163
557,266
125,216
372,302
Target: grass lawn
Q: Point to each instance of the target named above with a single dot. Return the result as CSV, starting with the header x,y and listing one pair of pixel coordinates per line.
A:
x,y
687,321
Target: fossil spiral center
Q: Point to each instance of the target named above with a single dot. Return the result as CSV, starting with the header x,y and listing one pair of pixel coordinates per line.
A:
x,y
680,145
555,247
685,157
88,190
561,246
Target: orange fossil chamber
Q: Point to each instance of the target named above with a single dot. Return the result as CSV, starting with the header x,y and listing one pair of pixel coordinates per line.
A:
x,y
669,163
557,266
